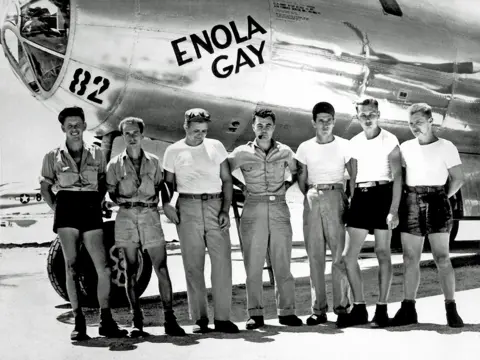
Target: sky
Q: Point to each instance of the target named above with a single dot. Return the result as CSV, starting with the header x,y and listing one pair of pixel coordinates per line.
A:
x,y
28,130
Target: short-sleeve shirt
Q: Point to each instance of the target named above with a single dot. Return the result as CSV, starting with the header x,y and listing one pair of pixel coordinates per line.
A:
x,y
372,156
428,165
264,173
325,162
196,168
122,178
61,171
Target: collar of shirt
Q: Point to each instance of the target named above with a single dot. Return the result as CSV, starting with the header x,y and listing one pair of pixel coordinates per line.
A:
x,y
87,149
254,145
143,154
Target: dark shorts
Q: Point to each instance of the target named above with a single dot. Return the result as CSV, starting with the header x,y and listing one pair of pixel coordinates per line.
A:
x,y
425,210
369,207
78,209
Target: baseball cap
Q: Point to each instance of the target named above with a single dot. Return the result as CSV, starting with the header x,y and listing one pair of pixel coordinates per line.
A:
x,y
323,107
196,114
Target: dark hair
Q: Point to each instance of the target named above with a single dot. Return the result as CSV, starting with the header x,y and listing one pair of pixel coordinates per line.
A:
x,y
264,113
196,115
323,107
366,102
134,120
423,108
70,111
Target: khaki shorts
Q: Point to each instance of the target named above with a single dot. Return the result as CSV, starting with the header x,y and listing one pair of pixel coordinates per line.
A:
x,y
138,227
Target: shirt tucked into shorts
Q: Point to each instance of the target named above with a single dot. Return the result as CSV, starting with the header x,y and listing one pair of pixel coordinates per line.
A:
x,y
138,220
78,202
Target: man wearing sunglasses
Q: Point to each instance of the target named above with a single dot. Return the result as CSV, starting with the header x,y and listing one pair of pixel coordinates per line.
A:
x,y
265,222
377,186
197,168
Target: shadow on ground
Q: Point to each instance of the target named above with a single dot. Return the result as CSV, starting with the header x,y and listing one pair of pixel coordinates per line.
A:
x,y
467,271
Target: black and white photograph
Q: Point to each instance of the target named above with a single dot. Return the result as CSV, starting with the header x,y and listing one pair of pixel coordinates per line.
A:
x,y
226,179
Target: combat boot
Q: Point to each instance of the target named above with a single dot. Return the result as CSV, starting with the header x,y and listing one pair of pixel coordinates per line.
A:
x,y
137,324
380,318
79,332
406,315
171,326
358,316
453,319
108,327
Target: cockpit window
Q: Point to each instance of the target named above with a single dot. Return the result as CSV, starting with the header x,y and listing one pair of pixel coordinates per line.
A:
x,y
46,23
16,50
13,45
46,66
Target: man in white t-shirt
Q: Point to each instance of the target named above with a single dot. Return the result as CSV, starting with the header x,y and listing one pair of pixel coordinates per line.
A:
x,y
265,222
197,168
429,161
321,163
377,187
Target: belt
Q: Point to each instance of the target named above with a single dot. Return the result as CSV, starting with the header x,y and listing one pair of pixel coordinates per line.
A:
x,y
138,204
426,189
371,183
265,197
201,196
325,186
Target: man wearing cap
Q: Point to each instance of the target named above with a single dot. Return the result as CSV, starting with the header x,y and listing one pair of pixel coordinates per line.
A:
x,y
265,222
377,187
77,170
134,178
321,165
197,168
429,162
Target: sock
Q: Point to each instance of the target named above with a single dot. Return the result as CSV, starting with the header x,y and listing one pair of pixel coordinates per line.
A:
x,y
105,314
77,312
381,303
359,303
449,302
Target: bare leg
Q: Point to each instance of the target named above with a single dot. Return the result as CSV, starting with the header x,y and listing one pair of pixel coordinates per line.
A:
x,y
439,243
131,259
70,240
412,251
382,250
158,255
353,246
93,241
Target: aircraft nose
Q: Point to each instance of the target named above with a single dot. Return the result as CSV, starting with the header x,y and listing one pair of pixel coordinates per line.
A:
x,y
35,42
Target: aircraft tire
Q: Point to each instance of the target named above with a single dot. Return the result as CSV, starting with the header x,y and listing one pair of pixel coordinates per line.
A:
x,y
88,275
38,197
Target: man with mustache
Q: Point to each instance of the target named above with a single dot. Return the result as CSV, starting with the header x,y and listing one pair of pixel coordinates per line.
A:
x,y
265,222
134,179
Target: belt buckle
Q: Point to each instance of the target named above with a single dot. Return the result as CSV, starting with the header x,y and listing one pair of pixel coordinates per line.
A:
x,y
271,198
204,197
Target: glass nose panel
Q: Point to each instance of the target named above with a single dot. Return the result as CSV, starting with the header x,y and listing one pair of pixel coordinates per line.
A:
x,y
13,45
46,66
46,23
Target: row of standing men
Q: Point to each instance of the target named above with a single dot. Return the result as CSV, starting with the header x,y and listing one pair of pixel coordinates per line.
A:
x,y
200,170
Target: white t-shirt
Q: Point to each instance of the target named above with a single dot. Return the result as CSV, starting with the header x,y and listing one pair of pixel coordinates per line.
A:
x,y
196,168
372,156
325,162
428,165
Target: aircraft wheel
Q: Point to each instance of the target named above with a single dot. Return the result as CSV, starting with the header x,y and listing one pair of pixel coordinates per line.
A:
x,y
88,275
38,197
